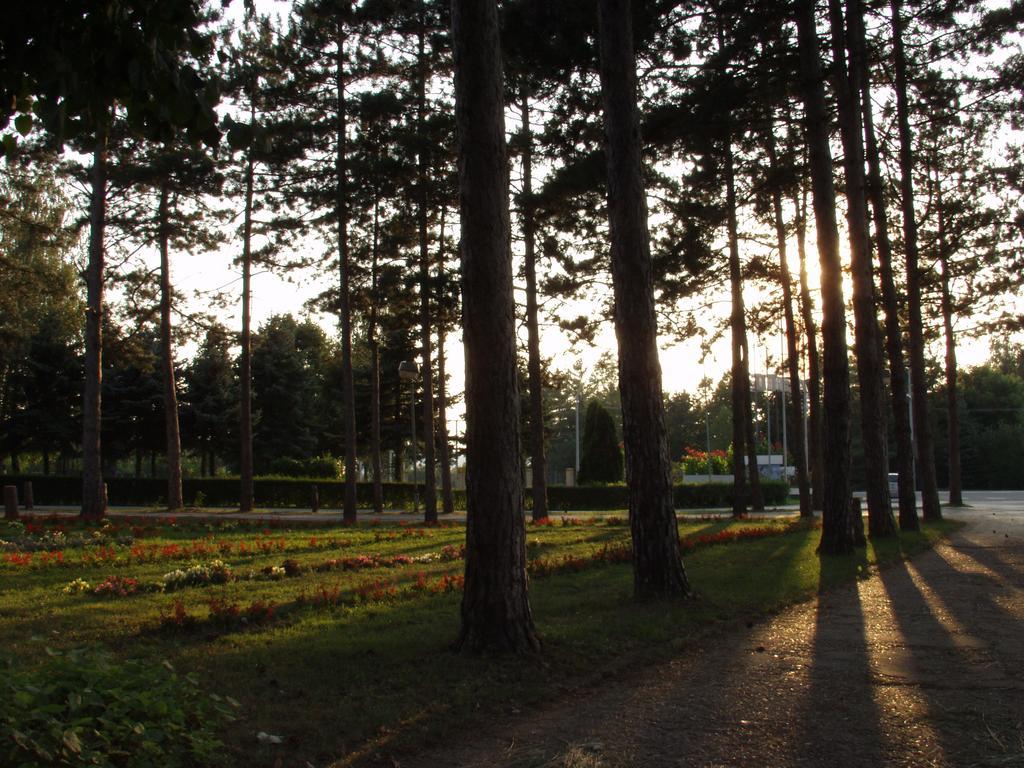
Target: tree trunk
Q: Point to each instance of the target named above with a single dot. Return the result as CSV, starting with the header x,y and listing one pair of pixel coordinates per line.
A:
x,y
893,335
426,324
245,468
956,498
374,345
793,360
657,566
744,445
93,504
740,383
815,460
344,306
174,498
443,444
46,462
868,349
753,471
918,384
495,603
538,461
837,534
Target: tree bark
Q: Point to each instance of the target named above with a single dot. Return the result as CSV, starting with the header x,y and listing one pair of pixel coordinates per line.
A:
x,y
657,566
444,457
740,381
93,502
815,460
245,469
443,444
426,324
890,300
344,298
173,435
837,535
495,603
846,81
374,345
741,354
538,461
753,471
918,384
793,359
956,498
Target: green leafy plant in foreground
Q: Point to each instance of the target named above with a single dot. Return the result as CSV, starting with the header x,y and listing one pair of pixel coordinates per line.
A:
x,y
83,708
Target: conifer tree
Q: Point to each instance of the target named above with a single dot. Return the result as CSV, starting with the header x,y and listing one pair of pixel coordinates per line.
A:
x,y
657,566
848,41
838,528
918,385
907,497
495,605
45,49
600,455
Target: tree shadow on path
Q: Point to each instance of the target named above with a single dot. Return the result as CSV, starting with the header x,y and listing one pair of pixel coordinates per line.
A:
x,y
959,654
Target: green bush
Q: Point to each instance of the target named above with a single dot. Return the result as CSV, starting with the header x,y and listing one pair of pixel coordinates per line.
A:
x,y
600,454
319,466
297,493
83,708
687,496
220,491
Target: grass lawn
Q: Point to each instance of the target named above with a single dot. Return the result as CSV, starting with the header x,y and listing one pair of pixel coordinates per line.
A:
x,y
335,640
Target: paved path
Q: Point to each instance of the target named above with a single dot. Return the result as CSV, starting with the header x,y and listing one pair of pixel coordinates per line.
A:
x,y
921,664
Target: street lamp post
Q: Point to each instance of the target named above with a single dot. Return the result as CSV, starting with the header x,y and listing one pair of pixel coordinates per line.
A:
x,y
707,431
408,371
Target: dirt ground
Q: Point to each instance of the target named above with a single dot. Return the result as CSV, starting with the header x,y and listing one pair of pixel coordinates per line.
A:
x,y
921,664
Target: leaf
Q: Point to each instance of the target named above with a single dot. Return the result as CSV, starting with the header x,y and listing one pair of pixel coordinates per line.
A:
x,y
23,123
72,742
240,136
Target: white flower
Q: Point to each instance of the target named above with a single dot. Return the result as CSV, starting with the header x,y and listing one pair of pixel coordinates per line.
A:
x,y
77,586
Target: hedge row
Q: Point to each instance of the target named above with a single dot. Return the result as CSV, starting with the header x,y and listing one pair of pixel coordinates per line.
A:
x,y
217,491
688,496
293,492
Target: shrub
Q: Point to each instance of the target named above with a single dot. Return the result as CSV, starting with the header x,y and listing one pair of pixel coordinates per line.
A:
x,y
687,496
695,462
292,492
319,466
83,708
271,491
600,454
